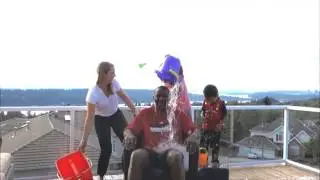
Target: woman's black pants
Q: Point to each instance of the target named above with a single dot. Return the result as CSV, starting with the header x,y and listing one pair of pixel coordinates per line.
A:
x,y
103,127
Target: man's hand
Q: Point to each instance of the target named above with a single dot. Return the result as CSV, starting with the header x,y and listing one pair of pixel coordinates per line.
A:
x,y
130,140
192,142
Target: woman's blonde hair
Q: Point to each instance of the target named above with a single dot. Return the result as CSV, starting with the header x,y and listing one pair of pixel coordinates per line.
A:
x,y
104,68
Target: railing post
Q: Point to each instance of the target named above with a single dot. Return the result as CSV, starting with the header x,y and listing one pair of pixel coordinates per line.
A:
x,y
192,115
286,133
231,127
72,133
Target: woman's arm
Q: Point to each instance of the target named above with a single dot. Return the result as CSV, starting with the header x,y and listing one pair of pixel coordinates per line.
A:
x,y
127,100
88,122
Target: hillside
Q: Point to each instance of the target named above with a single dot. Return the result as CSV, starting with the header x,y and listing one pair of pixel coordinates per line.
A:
x,y
286,95
45,97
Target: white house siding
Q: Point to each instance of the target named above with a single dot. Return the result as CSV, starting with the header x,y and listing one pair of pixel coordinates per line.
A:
x,y
268,154
258,133
270,134
303,137
280,136
294,149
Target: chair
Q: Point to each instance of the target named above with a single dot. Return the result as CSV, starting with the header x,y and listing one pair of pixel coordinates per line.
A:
x,y
6,167
213,173
191,173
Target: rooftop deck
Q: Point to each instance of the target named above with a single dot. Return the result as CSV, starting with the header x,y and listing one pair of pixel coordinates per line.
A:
x,y
272,173
279,172
286,172
279,145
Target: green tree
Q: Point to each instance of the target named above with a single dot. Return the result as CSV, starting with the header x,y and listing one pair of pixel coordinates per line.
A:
x,y
14,114
313,148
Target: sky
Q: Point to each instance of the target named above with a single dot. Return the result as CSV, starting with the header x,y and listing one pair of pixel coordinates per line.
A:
x,y
247,45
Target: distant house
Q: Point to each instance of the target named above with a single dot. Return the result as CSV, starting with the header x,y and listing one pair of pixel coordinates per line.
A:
x,y
262,146
273,131
271,134
36,147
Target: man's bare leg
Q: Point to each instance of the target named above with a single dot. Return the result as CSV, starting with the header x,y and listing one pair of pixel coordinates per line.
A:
x,y
139,160
176,168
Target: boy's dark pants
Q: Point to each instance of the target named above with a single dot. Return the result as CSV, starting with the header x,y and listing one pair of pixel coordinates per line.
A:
x,y
211,139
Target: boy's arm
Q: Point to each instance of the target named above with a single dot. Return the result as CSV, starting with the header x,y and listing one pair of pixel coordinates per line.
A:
x,y
223,110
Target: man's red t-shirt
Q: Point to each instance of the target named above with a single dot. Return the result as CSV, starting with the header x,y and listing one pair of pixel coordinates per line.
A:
x,y
156,130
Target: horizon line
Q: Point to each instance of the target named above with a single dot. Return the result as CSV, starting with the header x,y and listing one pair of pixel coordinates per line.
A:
x,y
221,91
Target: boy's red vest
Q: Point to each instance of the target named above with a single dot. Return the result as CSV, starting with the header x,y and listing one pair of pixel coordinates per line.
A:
x,y
213,114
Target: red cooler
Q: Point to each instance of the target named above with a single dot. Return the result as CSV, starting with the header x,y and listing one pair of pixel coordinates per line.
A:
x,y
74,166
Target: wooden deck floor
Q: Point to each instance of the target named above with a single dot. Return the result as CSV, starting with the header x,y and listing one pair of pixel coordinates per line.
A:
x,y
272,173
259,173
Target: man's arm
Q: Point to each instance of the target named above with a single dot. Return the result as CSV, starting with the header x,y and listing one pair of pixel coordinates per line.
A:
x,y
188,127
193,136
131,131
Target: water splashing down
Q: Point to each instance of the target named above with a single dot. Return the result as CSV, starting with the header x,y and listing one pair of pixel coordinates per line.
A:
x,y
173,103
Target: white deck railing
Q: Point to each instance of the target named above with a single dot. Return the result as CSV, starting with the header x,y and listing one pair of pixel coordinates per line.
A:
x,y
286,110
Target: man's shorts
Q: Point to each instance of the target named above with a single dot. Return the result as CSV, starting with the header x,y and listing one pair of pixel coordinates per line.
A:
x,y
159,160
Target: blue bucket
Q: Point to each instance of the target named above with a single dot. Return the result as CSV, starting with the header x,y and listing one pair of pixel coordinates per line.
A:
x,y
169,69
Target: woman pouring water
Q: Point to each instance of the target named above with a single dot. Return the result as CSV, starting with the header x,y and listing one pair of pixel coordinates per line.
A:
x,y
103,111
171,74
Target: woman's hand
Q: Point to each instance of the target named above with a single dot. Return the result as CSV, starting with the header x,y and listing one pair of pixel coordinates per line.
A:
x,y
127,100
82,146
135,112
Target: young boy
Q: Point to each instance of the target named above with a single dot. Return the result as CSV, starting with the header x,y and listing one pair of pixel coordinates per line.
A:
x,y
213,111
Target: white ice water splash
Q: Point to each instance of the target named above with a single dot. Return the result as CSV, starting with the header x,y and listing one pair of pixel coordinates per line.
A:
x,y
172,143
173,103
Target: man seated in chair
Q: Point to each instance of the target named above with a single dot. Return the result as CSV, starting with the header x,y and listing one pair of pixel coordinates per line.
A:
x,y
152,123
